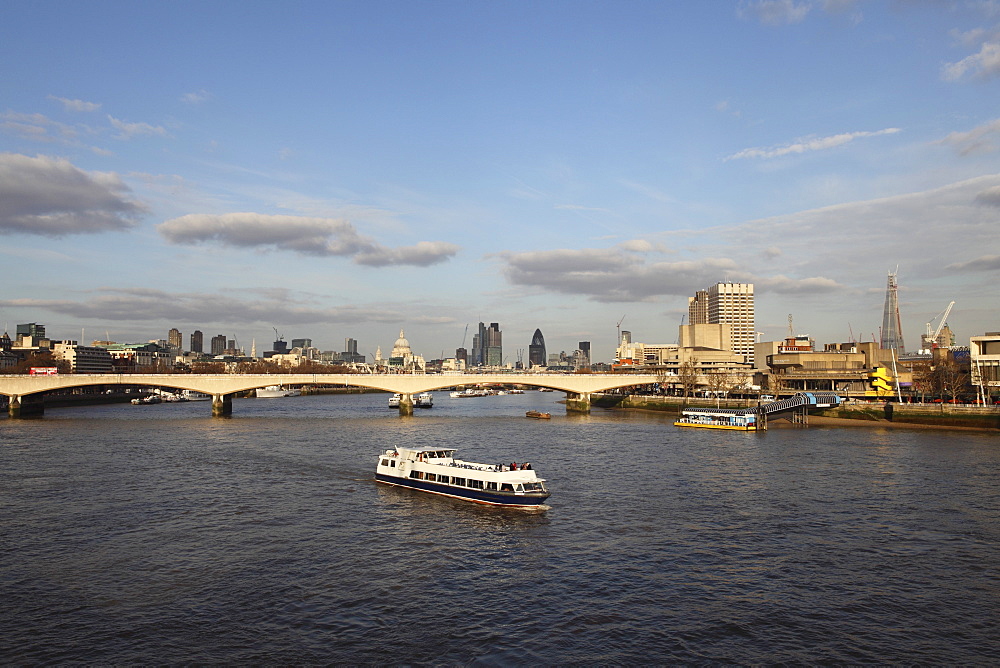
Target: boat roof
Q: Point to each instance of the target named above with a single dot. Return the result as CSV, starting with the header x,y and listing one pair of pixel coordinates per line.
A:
x,y
424,448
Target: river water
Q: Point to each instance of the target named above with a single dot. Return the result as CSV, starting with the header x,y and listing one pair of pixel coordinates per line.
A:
x,y
158,534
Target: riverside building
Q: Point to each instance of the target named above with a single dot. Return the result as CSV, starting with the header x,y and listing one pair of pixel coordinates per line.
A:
x,y
727,303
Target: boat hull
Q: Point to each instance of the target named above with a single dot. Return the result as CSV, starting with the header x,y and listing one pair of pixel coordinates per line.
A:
x,y
526,500
751,427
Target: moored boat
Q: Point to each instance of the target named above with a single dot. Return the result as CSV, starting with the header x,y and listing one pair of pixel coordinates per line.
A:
x,y
436,470
276,392
394,400
538,415
740,421
424,400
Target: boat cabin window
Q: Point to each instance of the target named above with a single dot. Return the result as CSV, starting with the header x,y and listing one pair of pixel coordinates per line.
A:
x,y
419,475
506,487
475,484
533,487
491,486
518,488
432,477
458,481
385,462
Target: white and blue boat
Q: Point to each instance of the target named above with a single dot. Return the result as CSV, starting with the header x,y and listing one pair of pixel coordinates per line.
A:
x,y
436,470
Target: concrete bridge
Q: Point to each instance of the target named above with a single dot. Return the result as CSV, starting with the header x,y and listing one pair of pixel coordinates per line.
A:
x,y
26,392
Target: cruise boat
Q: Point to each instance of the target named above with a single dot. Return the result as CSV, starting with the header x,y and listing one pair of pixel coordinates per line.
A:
x,y
424,400
394,400
276,391
436,470
191,395
741,421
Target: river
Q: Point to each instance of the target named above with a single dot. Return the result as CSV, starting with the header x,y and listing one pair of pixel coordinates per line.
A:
x,y
161,535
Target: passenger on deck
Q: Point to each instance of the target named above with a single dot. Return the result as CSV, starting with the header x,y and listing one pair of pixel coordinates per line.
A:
x,y
513,466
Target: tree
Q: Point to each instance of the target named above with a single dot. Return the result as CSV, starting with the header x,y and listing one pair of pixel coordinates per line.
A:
x,y
687,376
950,379
41,358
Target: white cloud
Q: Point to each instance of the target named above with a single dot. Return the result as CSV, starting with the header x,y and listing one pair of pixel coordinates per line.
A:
x,y
982,65
774,12
129,130
981,139
38,127
76,105
197,97
300,234
50,197
808,144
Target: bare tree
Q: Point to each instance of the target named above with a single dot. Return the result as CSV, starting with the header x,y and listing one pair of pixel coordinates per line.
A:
x,y
687,376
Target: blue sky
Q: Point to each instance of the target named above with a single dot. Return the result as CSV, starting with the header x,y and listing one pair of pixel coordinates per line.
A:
x,y
336,169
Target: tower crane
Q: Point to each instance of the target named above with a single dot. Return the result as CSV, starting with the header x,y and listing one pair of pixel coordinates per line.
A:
x,y
930,337
619,326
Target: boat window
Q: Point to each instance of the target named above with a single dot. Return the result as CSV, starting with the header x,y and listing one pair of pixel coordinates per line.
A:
x,y
419,475
476,484
518,488
385,462
491,485
431,477
506,487
458,481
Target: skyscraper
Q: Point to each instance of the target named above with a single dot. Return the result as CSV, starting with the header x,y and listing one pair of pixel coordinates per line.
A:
x,y
536,351
892,328
727,303
174,339
197,341
218,344
494,345
698,308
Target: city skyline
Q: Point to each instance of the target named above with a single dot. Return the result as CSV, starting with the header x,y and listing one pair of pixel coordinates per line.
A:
x,y
557,167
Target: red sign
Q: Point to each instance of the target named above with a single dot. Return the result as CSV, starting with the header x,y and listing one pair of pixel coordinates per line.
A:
x,y
44,371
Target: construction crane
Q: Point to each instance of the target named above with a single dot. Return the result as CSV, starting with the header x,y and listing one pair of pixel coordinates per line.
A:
x,y
619,326
464,336
930,337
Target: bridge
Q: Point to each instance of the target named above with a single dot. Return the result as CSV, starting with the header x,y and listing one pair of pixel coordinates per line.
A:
x,y
26,392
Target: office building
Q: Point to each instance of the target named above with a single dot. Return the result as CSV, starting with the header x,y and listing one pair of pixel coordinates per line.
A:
x,y
197,341
175,340
493,349
536,351
219,344
31,329
732,304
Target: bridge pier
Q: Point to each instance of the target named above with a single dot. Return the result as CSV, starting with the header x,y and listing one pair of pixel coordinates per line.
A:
x,y
578,402
25,406
406,404
222,405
